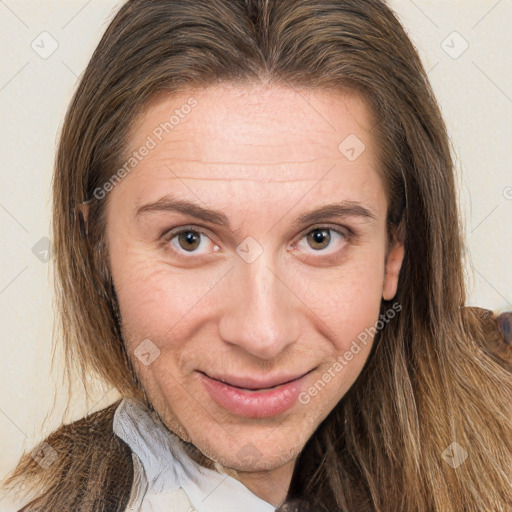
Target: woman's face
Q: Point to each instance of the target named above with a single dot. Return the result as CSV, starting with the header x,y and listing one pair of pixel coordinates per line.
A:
x,y
257,290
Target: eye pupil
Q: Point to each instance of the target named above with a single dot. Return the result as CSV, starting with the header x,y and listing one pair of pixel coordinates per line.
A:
x,y
191,237
317,236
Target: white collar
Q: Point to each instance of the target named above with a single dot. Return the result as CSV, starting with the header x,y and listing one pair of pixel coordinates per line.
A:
x,y
164,473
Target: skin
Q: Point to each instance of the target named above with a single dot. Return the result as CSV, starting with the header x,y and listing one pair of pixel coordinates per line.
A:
x,y
262,155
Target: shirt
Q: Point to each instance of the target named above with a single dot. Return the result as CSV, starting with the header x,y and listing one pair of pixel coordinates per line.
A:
x,y
167,479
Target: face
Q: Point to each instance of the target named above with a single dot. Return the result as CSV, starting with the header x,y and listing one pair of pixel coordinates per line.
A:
x,y
238,303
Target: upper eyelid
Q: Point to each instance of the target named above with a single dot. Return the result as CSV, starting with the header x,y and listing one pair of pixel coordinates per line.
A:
x,y
333,227
171,233
194,227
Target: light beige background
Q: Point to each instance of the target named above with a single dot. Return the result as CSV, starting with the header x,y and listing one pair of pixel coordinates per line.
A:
x,y
474,91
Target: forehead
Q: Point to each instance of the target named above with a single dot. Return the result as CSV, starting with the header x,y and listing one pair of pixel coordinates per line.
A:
x,y
261,135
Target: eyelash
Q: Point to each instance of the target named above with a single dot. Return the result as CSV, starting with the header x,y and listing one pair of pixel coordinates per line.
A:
x,y
345,232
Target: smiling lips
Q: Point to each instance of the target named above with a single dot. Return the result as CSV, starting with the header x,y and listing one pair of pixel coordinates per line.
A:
x,y
255,384
254,398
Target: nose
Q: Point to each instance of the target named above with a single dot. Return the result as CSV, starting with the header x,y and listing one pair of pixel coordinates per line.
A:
x,y
260,310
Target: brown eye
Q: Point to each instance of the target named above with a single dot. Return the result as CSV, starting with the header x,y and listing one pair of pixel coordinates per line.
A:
x,y
325,240
319,238
189,240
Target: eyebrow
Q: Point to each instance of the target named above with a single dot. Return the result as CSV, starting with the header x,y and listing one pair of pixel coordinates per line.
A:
x,y
340,209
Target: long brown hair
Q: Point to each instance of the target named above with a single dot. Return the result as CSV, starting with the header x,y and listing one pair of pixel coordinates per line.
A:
x,y
434,376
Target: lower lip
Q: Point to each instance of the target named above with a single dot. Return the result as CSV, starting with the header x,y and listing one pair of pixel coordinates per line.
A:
x,y
258,404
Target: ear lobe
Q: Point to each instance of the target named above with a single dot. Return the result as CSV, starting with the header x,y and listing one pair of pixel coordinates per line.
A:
x,y
393,266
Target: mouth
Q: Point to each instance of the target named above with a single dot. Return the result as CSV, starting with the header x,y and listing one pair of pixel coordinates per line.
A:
x,y
254,397
255,384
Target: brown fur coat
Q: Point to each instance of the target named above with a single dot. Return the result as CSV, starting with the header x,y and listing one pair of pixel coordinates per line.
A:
x,y
74,486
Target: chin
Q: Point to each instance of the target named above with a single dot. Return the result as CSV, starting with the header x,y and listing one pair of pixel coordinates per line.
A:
x,y
251,457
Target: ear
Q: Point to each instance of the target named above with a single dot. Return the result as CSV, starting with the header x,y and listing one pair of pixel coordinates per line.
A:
x,y
392,269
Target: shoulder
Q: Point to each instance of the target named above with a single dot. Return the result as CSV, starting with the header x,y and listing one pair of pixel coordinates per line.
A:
x,y
492,328
82,465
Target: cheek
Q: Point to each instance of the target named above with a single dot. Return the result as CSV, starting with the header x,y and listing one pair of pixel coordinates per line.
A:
x,y
348,307
347,299
156,300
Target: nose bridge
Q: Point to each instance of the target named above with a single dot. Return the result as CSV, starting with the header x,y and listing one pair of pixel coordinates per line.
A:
x,y
260,314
